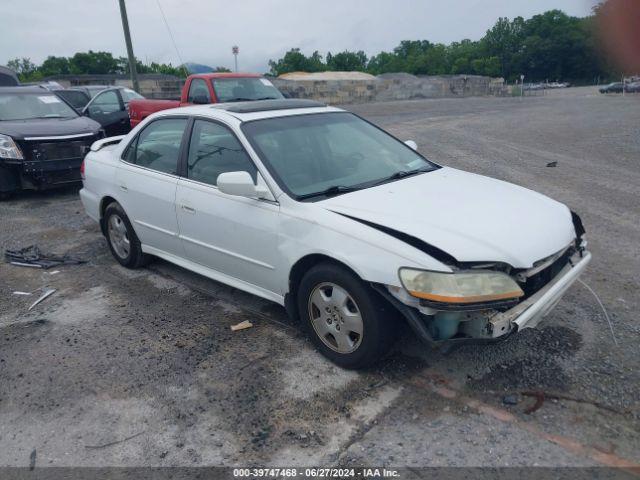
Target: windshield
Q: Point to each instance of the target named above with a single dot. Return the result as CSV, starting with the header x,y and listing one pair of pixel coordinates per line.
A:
x,y
330,153
128,95
244,89
25,106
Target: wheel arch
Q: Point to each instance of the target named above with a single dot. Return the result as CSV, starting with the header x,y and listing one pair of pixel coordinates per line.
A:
x,y
104,203
297,271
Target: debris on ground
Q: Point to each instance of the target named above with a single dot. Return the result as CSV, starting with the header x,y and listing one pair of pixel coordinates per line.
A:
x,y
552,164
32,459
110,444
510,399
31,256
539,396
241,325
21,293
47,293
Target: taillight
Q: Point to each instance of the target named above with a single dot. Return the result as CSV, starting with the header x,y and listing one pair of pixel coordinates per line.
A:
x,y
82,169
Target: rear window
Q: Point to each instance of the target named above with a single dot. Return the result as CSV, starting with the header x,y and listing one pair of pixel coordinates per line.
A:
x,y
76,98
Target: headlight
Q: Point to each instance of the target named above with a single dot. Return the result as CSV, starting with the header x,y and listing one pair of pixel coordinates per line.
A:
x,y
9,149
460,287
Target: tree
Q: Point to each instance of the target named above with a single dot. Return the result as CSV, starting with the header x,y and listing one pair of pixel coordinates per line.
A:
x,y
295,61
94,63
347,61
25,68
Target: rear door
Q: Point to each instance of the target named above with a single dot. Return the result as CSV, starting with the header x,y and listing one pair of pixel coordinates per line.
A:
x,y
108,109
147,179
233,235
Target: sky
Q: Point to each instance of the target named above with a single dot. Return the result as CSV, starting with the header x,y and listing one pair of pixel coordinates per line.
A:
x,y
205,30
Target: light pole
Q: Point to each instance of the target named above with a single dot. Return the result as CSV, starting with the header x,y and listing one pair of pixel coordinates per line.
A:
x,y
235,50
127,39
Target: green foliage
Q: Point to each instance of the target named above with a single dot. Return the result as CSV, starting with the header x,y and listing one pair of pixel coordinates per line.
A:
x,y
347,61
88,63
296,61
550,46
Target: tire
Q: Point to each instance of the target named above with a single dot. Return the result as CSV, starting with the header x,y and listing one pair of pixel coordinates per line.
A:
x,y
9,183
344,318
122,239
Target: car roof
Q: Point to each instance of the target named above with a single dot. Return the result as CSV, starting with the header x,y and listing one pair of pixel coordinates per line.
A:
x,y
25,89
255,110
226,75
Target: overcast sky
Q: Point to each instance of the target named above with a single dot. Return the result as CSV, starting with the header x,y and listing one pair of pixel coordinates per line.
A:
x,y
205,30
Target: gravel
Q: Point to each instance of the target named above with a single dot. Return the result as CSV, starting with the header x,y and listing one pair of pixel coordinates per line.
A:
x,y
145,362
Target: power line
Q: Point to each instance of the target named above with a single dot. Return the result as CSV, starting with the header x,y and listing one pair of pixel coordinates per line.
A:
x,y
171,36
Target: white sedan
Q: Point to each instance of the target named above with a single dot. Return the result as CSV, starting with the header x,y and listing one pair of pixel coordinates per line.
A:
x,y
352,230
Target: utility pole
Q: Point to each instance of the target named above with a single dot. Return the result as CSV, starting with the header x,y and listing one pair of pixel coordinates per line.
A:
x,y
127,39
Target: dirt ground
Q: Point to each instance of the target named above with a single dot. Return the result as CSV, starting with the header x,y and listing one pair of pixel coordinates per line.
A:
x,y
137,368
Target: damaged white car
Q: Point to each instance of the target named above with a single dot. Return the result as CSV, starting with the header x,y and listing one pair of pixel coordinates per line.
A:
x,y
352,230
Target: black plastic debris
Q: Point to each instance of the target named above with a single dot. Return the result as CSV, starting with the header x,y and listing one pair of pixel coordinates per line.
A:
x,y
552,164
31,256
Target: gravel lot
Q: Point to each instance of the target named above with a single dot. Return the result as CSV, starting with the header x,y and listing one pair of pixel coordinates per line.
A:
x,y
133,368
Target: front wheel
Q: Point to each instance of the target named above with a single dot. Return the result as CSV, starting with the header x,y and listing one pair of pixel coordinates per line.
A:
x,y
122,239
345,319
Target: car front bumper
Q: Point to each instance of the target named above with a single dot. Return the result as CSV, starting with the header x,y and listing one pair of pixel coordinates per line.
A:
x,y
528,313
492,325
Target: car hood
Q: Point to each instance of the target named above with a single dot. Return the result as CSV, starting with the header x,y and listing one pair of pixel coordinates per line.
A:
x,y
47,127
471,217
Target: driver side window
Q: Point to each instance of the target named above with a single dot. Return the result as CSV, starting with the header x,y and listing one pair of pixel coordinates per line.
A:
x,y
158,146
213,150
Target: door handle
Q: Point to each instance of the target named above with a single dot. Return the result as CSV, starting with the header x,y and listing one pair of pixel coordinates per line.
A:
x,y
188,209
124,188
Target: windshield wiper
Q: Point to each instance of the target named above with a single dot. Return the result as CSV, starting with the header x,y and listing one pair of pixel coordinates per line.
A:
x,y
328,192
402,174
239,99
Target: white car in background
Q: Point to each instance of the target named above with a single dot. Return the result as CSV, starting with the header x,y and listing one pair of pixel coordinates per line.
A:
x,y
349,228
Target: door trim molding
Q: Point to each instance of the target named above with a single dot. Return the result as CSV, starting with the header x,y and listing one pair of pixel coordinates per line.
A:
x,y
226,252
157,229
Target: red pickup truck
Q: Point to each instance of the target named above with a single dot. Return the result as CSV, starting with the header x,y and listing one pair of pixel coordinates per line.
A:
x,y
209,88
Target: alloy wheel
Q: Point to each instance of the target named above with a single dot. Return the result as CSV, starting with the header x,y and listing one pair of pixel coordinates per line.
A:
x,y
335,317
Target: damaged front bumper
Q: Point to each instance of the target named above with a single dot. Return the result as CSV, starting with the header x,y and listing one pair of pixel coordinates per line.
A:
x,y
440,328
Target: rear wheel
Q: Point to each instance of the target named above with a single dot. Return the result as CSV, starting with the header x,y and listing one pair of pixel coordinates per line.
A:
x,y
344,317
122,239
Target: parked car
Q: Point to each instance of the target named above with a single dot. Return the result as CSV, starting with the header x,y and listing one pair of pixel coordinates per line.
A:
x,y
110,108
633,87
209,88
615,87
75,97
8,77
349,228
42,139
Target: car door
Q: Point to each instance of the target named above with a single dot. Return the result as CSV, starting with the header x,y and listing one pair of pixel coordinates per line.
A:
x,y
147,179
233,235
108,110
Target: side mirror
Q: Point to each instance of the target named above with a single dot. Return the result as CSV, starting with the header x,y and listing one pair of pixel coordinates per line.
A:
x,y
411,144
285,94
201,100
237,183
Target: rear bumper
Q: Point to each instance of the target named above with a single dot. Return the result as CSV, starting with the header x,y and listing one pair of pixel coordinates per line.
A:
x,y
91,204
